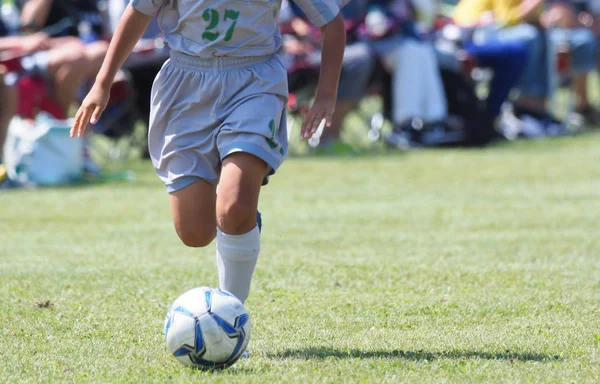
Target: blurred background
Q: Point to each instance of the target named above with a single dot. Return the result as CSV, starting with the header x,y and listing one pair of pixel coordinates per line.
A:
x,y
416,73
443,230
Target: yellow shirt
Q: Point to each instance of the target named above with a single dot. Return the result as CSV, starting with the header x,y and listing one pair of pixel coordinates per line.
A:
x,y
468,12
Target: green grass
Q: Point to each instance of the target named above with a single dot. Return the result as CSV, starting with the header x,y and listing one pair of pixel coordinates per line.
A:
x,y
433,266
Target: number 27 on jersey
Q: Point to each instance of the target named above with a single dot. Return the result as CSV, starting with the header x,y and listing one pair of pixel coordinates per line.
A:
x,y
213,18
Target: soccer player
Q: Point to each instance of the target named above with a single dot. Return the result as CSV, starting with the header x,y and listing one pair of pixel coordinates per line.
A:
x,y
218,113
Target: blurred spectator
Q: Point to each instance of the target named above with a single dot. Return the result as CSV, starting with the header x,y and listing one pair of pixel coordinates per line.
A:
x,y
71,16
417,91
65,62
572,17
80,19
519,21
302,44
60,60
506,60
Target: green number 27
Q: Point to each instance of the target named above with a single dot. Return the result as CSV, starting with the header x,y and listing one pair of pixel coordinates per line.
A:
x,y
211,16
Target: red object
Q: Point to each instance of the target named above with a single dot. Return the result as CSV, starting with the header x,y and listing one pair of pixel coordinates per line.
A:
x,y
295,107
12,61
33,94
563,62
34,97
119,92
12,64
292,102
441,21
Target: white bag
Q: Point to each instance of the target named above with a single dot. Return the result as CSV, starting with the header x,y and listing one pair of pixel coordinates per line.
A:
x,y
40,152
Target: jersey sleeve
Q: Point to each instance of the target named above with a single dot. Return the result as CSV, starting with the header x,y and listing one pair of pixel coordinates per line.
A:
x,y
147,7
321,12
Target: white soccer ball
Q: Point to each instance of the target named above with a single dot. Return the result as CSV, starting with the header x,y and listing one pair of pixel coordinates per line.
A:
x,y
207,328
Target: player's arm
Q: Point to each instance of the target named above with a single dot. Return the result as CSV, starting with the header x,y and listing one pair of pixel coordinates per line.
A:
x,y
334,42
130,29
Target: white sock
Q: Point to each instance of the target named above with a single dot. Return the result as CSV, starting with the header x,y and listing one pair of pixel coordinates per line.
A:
x,y
236,259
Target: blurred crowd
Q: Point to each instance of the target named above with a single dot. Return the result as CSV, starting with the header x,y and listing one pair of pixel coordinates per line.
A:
x,y
459,71
446,70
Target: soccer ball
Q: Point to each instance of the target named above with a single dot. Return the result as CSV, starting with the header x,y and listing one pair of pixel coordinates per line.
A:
x,y
207,328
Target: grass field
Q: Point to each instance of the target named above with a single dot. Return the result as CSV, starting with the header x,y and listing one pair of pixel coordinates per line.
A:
x,y
433,266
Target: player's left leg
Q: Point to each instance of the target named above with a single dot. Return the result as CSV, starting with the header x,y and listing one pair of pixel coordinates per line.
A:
x,y
238,237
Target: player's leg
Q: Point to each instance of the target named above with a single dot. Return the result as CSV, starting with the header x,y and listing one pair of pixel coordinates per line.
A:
x,y
238,237
181,144
193,210
252,143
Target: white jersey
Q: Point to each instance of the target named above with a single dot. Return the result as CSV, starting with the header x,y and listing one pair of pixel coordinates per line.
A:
x,y
233,28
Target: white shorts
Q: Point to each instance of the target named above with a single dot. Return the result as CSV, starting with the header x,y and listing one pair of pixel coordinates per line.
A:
x,y
202,110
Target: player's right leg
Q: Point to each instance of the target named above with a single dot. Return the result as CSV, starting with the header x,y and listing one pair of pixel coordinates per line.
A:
x,y
181,142
193,210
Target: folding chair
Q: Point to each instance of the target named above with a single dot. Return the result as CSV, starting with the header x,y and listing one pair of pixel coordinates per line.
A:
x,y
33,93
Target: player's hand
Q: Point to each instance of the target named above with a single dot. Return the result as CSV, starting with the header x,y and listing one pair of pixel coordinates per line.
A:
x,y
91,109
322,108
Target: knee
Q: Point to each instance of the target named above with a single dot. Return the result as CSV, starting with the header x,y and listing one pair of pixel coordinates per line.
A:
x,y
236,216
196,237
70,54
77,61
71,48
96,51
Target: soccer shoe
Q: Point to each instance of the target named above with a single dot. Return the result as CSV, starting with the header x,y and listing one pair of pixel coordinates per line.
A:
x,y
245,355
258,222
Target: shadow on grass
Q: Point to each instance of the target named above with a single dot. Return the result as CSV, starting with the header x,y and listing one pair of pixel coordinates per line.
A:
x,y
327,353
231,371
